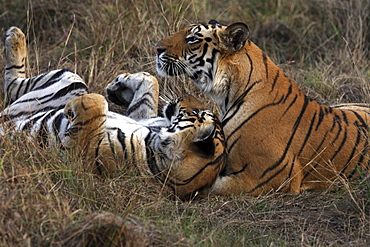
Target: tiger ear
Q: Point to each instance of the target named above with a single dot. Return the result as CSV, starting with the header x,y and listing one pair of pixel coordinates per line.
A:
x,y
234,37
204,140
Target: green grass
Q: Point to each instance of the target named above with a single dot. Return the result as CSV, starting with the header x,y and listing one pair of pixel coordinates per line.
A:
x,y
47,199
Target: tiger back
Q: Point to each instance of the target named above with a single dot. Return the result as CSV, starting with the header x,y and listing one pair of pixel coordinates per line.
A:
x,y
278,138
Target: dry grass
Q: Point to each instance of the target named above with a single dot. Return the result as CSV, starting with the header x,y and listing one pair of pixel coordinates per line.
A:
x,y
47,200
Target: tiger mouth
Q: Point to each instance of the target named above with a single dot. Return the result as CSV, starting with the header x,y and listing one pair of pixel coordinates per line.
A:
x,y
168,67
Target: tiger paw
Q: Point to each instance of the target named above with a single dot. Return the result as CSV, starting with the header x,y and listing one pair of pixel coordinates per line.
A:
x,y
15,48
123,88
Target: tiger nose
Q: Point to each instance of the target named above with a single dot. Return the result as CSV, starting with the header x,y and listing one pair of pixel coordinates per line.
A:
x,y
159,49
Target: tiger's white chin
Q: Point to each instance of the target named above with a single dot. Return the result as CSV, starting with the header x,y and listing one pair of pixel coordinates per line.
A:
x,y
161,71
160,67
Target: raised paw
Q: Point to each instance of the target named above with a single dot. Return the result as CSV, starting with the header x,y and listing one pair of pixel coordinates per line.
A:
x,y
124,87
15,48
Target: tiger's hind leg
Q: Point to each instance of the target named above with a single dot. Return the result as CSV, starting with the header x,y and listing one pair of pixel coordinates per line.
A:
x,y
138,92
15,55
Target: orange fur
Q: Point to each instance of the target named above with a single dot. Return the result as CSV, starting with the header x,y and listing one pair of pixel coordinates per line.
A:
x,y
278,138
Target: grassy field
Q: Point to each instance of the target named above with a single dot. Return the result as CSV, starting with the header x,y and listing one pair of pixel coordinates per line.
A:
x,y
47,200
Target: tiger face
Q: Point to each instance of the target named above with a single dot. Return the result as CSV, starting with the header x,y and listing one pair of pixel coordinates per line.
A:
x,y
194,148
278,139
194,51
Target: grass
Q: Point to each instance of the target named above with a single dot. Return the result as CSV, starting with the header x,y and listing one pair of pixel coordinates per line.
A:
x,y
46,198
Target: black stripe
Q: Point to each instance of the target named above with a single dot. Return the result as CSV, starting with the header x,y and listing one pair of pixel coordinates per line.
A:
x,y
321,116
340,146
313,156
43,133
27,86
53,79
289,106
57,125
275,80
289,92
294,130
358,140
320,145
224,174
30,124
308,134
35,80
362,121
233,144
291,170
45,109
340,128
20,85
98,164
226,102
62,92
89,121
264,59
251,116
269,179
139,104
15,67
237,104
121,138
251,70
200,59
10,83
344,115
212,163
70,88
151,160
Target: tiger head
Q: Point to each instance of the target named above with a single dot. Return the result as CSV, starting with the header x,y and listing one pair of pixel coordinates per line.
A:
x,y
193,144
195,50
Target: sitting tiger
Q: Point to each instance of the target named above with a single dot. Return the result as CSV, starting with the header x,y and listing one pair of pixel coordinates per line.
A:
x,y
185,148
278,138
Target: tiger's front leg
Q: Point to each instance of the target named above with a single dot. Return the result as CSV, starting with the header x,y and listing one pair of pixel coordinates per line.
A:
x,y
15,54
139,92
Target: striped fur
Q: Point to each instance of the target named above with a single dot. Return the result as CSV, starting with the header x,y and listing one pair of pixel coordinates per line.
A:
x,y
278,138
353,107
57,108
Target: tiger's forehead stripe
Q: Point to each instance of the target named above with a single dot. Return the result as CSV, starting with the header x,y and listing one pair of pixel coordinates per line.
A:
x,y
200,30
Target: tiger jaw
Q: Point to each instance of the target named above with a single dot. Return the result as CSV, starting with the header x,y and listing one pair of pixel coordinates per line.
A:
x,y
166,68
201,77
169,64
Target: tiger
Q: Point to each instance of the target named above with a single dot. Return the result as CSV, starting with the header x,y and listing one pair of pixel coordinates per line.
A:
x,y
56,108
278,139
353,107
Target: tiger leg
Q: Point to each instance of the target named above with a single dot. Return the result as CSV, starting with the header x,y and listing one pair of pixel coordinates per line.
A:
x,y
15,54
62,84
289,182
139,92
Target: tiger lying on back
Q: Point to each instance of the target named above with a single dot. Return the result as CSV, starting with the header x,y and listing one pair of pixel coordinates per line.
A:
x,y
278,138
185,148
